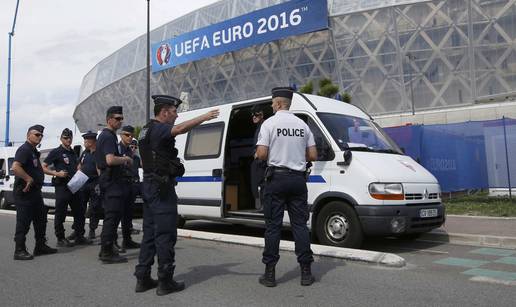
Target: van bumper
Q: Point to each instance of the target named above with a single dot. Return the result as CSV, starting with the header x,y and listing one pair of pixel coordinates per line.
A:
x,y
397,220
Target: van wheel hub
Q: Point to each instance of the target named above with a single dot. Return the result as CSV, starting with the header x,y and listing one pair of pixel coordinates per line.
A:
x,y
337,227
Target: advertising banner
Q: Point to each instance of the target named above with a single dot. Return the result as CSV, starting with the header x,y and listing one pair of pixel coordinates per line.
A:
x,y
262,26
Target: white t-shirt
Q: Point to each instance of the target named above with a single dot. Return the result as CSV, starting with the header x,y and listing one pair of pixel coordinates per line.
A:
x,y
287,138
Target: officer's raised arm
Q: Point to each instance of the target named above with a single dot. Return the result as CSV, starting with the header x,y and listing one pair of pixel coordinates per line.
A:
x,y
190,124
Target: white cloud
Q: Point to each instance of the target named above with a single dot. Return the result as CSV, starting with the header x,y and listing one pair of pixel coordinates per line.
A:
x,y
56,43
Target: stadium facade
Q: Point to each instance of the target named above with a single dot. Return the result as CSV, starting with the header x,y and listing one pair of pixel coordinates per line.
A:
x,y
449,60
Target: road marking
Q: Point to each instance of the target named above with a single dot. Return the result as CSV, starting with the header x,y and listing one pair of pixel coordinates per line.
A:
x,y
501,275
494,252
430,251
507,260
493,281
462,262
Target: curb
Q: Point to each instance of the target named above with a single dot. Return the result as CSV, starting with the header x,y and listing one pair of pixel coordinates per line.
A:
x,y
469,239
371,257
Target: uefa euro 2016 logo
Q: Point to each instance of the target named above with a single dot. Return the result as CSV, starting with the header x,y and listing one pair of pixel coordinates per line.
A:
x,y
163,54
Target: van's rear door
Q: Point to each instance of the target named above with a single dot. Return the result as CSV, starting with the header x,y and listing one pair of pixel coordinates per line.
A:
x,y
200,189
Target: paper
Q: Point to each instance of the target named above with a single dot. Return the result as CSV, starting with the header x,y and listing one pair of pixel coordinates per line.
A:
x,y
77,181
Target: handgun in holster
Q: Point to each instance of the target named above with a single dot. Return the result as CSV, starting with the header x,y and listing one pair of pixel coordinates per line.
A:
x,y
308,170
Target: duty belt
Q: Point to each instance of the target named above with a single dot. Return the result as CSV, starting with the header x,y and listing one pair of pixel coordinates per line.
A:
x,y
277,169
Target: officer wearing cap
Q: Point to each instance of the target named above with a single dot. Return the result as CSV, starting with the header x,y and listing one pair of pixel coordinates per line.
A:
x,y
286,143
110,161
27,196
90,191
65,161
161,166
126,137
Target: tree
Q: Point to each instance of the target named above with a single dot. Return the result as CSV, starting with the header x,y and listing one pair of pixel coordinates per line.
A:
x,y
307,88
346,97
327,88
137,131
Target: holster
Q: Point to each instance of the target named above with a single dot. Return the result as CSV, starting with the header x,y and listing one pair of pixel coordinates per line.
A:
x,y
269,171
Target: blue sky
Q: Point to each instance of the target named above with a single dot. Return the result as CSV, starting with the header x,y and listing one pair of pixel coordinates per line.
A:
x,y
56,43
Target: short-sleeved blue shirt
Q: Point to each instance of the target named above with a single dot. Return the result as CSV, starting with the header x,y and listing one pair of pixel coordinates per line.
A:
x,y
28,156
88,166
63,160
106,144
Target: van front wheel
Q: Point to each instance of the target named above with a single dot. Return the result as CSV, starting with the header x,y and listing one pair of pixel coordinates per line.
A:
x,y
338,225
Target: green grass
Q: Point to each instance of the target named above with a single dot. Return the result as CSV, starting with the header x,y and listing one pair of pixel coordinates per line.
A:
x,y
480,204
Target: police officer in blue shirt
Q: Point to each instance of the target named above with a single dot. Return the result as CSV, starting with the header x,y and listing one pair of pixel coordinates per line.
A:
x,y
90,191
126,137
286,143
27,196
65,162
110,162
161,166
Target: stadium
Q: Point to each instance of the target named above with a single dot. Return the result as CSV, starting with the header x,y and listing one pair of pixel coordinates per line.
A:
x,y
403,61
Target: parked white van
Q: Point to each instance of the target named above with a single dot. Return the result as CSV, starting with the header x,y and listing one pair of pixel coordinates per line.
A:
x,y
361,184
6,176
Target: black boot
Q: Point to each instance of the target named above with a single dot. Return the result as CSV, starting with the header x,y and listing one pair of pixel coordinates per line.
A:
x,y
128,243
144,284
108,255
64,242
42,248
118,249
91,235
81,240
306,275
21,253
169,285
268,279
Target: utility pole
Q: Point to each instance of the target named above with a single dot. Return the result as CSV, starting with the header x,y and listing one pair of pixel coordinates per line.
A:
x,y
147,98
8,107
411,57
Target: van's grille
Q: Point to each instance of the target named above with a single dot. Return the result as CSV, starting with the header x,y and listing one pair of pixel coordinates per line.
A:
x,y
413,196
418,196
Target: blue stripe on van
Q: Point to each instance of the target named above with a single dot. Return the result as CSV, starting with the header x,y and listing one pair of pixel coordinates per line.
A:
x,y
316,179
199,179
312,179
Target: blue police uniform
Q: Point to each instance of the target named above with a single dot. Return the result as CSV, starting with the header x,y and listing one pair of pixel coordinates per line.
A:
x,y
65,159
112,193
287,138
90,191
29,205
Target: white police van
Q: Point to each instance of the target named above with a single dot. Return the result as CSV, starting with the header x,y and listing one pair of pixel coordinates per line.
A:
x,y
362,183
6,177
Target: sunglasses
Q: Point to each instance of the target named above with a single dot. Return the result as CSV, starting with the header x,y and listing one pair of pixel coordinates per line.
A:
x,y
39,135
127,134
118,118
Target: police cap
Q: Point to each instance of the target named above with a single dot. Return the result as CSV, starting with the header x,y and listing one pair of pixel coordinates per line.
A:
x,y
114,110
67,133
167,100
38,128
285,92
128,128
90,135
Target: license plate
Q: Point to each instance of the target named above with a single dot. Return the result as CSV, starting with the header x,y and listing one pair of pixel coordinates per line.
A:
x,y
428,213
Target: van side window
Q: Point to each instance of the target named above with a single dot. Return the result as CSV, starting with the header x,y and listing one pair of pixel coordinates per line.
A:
x,y
204,142
324,150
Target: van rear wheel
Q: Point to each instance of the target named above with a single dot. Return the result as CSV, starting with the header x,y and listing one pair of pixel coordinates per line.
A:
x,y
338,225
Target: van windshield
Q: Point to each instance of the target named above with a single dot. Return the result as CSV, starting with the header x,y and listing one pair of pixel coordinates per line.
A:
x,y
357,133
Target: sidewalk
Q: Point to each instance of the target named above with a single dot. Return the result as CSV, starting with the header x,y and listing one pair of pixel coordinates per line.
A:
x,y
474,230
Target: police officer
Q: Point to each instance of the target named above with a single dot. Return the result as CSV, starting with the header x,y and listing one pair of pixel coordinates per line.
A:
x,y
65,162
27,197
257,166
126,137
286,143
90,191
160,166
110,162
136,186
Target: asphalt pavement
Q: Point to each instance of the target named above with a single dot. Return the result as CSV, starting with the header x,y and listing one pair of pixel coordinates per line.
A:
x,y
221,274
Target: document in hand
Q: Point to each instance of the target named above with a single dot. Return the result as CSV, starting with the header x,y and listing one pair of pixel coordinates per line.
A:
x,y
77,181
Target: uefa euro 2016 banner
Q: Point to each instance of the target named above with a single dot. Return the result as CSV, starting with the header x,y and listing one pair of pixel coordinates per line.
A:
x,y
273,23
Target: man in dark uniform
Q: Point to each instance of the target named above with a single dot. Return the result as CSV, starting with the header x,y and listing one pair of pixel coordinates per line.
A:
x,y
126,137
161,166
110,162
257,166
286,143
137,186
64,160
27,197
90,191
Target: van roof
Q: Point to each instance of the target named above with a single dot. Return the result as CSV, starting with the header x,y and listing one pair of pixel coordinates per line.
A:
x,y
323,104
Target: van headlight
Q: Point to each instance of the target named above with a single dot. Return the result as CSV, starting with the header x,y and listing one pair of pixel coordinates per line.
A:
x,y
386,191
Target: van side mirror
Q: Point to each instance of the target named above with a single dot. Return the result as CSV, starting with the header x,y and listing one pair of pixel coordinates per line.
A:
x,y
348,155
7,177
2,173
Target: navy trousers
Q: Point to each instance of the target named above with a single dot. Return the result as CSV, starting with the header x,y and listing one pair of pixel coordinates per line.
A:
x,y
30,209
286,190
65,198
